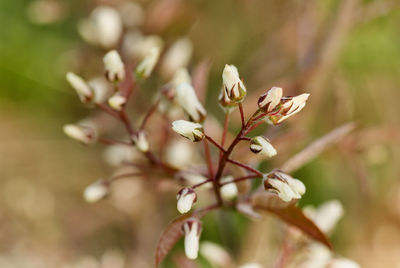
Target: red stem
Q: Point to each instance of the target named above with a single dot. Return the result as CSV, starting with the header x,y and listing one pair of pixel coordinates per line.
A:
x,y
215,143
226,121
240,179
108,141
245,167
209,160
201,183
241,114
149,113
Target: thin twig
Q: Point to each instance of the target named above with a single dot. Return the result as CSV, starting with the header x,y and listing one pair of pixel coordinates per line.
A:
x,y
223,137
315,148
240,179
215,143
201,183
245,167
209,160
241,114
108,141
149,113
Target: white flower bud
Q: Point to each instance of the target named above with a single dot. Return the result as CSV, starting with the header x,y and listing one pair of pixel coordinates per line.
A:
x,y
187,99
101,89
147,65
83,90
104,27
186,198
117,101
114,67
343,263
189,130
284,185
181,76
117,154
270,100
230,190
141,141
326,215
177,56
289,106
215,254
251,265
192,230
180,154
259,145
96,191
83,134
235,89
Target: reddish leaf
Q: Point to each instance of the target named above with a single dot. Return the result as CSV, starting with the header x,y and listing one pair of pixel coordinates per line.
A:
x,y
291,214
169,237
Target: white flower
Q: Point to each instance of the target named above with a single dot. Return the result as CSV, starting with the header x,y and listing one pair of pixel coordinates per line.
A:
x,y
179,153
189,130
234,87
114,67
230,190
326,215
251,265
289,106
147,65
187,99
104,27
270,100
83,90
215,254
83,134
137,46
141,141
101,89
181,76
284,185
96,191
117,101
343,263
176,57
260,145
186,198
192,230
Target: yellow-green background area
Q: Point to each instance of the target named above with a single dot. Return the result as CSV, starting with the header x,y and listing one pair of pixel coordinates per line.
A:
x,y
43,218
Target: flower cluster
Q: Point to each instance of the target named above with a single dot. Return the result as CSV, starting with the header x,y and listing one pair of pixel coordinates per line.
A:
x,y
177,101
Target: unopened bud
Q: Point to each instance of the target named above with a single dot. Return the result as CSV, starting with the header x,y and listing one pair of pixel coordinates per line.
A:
x,y
284,185
96,191
186,198
192,231
215,254
288,106
141,141
147,65
101,89
326,215
270,100
260,145
83,90
187,99
114,67
189,130
177,56
117,101
83,134
230,190
235,89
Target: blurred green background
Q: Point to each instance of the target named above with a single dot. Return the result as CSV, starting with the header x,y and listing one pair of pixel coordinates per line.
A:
x,y
345,53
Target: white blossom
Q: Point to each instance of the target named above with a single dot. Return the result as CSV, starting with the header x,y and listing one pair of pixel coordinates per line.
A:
x,y
181,76
284,185
101,89
114,67
177,56
343,263
186,198
289,106
187,99
83,134
146,66
230,190
270,100
179,153
117,101
192,230
190,130
137,46
96,191
234,87
260,145
103,27
83,90
141,141
215,254
326,215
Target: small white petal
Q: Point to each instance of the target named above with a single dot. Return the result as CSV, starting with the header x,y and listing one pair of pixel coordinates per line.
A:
x,y
271,99
283,189
261,146
192,236
230,190
187,99
186,197
95,192
83,134
114,67
146,66
117,101
141,141
81,87
232,83
101,89
343,263
189,130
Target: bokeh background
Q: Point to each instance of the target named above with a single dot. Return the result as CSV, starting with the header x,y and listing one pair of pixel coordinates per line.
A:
x,y
345,53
